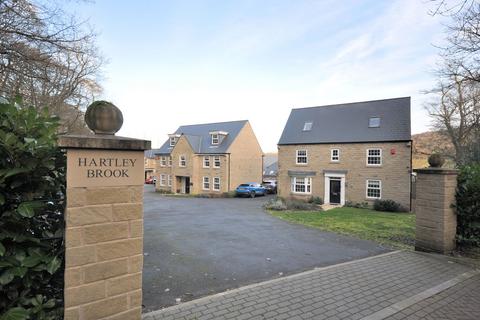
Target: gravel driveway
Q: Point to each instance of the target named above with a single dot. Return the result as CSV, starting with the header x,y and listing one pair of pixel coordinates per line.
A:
x,y
196,247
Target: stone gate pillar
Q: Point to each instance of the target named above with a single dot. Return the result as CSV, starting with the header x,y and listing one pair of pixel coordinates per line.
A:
x,y
436,221
104,222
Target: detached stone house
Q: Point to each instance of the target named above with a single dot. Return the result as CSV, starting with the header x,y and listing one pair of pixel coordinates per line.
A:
x,y
209,158
150,163
354,152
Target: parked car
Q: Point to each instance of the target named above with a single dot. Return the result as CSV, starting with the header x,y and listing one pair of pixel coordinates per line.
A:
x,y
270,186
250,189
149,180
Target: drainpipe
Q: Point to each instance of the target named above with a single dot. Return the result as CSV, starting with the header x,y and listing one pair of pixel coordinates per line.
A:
x,y
228,174
410,173
261,172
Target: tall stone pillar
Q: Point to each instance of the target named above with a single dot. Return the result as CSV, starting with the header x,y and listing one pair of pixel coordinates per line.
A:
x,y
104,223
436,221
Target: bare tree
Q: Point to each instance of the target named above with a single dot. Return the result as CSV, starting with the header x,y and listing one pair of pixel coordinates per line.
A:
x,y
49,59
463,41
455,110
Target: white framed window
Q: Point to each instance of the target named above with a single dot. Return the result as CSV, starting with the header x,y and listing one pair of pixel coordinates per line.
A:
x,y
182,161
216,183
206,183
374,157
302,185
216,162
163,180
173,140
215,139
301,157
335,155
206,162
169,180
307,126
374,189
170,161
163,161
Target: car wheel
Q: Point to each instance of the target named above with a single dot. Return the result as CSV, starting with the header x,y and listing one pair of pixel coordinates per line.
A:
x,y
252,194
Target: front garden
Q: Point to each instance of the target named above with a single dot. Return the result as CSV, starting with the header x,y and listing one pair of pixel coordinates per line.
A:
x,y
395,229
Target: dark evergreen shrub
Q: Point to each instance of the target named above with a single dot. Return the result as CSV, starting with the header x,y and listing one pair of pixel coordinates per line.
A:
x,y
32,188
468,206
388,205
316,200
293,204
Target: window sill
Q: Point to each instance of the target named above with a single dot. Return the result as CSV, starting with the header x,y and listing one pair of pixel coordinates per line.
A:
x,y
301,193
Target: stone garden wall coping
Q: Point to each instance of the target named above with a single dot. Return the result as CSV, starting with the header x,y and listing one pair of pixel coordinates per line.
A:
x,y
441,171
97,141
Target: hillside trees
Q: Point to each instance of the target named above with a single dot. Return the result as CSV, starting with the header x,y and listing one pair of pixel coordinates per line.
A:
x,y
48,58
455,106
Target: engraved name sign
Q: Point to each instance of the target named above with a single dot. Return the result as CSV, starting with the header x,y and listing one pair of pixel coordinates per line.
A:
x,y
105,168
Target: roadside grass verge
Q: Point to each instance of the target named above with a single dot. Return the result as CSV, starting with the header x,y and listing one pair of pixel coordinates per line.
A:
x,y
392,229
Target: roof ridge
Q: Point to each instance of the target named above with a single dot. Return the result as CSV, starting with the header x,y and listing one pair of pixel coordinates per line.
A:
x,y
350,103
211,123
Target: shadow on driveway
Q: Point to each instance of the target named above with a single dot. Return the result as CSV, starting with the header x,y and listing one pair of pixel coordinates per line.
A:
x,y
196,247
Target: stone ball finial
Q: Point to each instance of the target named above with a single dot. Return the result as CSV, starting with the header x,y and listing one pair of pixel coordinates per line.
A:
x,y
103,117
436,160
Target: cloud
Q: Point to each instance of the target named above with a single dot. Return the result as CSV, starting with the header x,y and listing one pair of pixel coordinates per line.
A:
x,y
245,60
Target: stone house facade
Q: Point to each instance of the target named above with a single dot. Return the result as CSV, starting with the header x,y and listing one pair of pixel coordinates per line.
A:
x,y
356,152
209,158
150,163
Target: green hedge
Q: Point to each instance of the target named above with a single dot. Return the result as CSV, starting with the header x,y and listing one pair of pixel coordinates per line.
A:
x,y
468,206
32,188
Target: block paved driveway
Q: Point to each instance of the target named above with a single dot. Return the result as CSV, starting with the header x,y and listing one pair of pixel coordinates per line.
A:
x,y
393,286
196,247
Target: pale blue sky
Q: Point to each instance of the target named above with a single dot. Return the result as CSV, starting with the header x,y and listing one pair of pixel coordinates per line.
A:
x,y
173,63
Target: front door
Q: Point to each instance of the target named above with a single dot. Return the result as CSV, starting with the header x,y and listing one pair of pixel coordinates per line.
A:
x,y
335,191
187,185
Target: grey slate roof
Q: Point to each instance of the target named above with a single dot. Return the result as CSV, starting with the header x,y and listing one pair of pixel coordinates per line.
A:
x,y
344,123
198,136
151,153
271,169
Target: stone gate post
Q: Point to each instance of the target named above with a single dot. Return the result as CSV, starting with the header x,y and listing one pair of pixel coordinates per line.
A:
x,y
436,221
104,224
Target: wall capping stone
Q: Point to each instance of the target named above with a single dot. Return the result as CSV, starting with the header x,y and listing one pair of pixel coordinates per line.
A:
x,y
108,142
442,171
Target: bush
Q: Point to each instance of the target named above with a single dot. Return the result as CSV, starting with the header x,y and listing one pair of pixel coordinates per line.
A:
x,y
388,205
360,205
163,191
301,205
468,206
32,188
275,204
316,200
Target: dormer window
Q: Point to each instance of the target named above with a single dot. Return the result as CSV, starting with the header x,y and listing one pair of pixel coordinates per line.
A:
x,y
374,122
173,139
215,139
307,126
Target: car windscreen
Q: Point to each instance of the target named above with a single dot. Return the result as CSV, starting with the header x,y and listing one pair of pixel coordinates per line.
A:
x,y
244,185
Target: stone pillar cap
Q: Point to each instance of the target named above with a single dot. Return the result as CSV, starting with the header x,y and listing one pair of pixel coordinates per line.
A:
x,y
108,142
434,170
